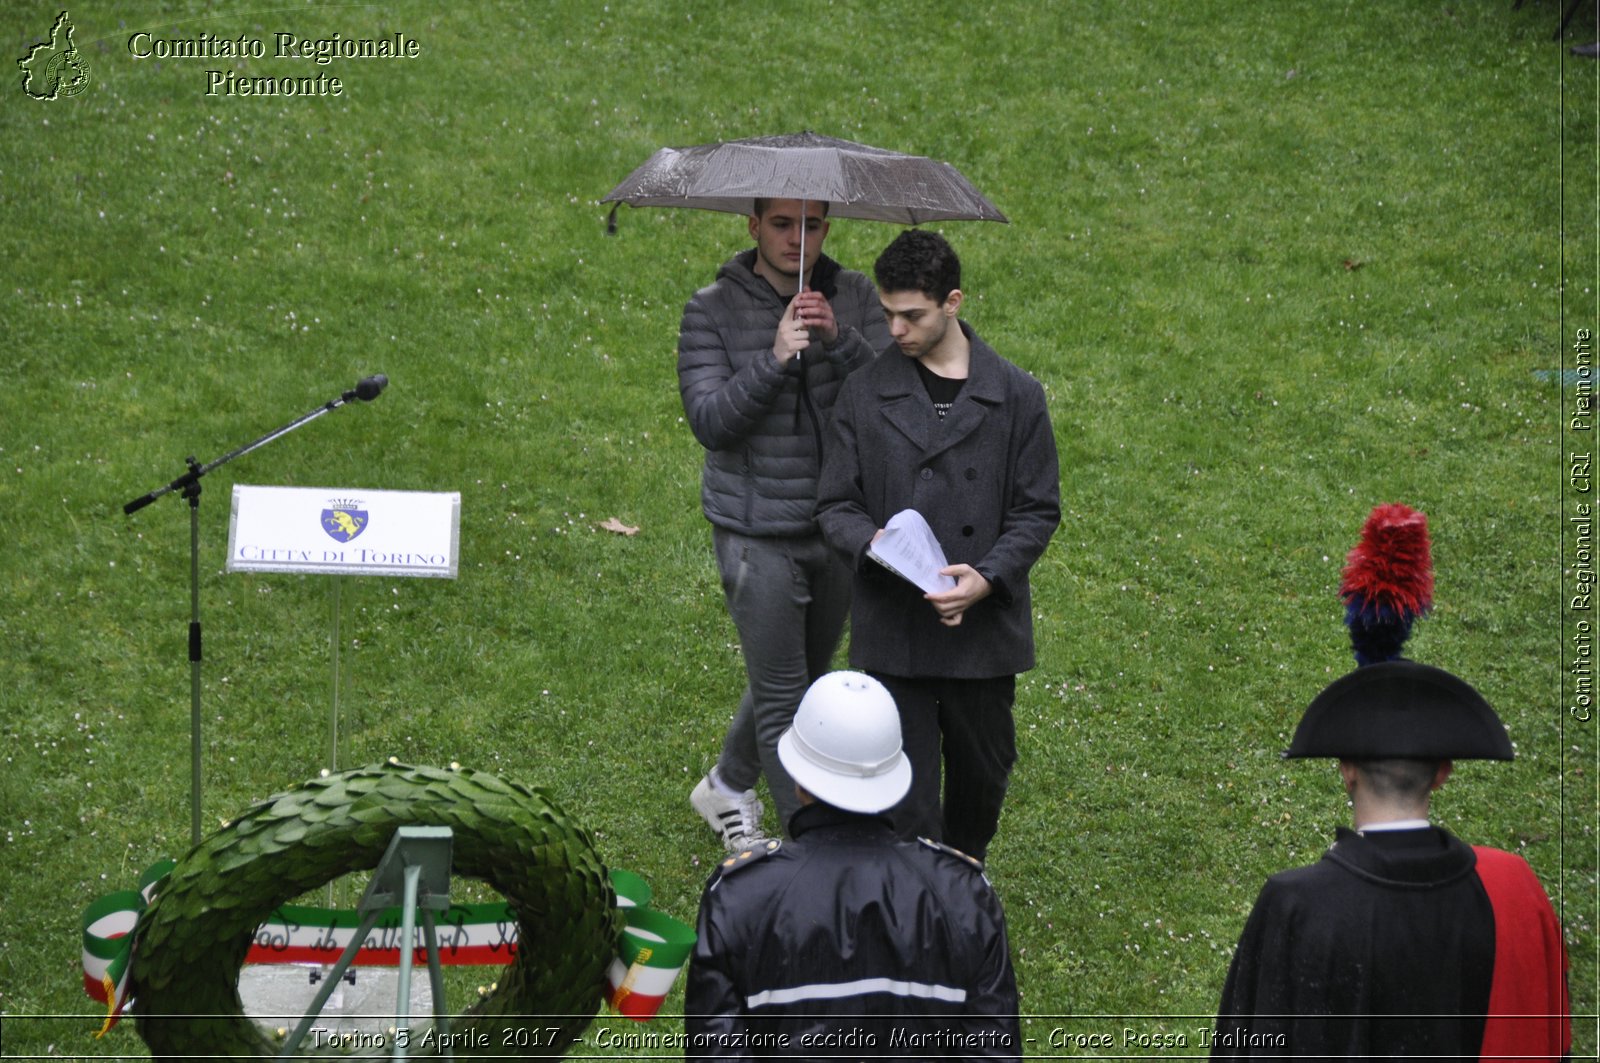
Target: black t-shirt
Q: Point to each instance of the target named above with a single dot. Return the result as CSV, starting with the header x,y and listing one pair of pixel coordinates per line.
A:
x,y
942,390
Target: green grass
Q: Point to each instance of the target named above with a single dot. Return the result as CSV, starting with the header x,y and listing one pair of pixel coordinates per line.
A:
x,y
1274,264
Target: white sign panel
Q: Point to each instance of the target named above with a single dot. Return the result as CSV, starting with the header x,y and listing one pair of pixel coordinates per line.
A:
x,y
345,531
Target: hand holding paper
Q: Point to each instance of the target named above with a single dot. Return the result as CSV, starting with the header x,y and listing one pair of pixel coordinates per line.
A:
x,y
909,549
971,587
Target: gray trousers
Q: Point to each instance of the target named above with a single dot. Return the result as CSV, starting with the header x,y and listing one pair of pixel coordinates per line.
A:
x,y
788,598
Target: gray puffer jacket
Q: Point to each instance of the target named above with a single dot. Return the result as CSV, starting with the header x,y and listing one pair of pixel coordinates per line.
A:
x,y
748,412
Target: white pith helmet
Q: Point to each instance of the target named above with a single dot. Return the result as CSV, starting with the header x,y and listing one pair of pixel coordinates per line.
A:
x,y
844,744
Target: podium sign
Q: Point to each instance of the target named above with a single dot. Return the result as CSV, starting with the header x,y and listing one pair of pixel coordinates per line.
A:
x,y
344,531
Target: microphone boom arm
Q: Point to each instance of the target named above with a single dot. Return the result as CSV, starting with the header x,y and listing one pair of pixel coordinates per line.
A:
x,y
191,479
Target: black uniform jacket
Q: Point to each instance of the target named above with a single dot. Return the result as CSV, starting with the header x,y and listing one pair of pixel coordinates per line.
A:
x,y
846,943
1385,948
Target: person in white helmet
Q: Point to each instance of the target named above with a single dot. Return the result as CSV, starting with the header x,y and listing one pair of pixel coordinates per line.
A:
x,y
845,940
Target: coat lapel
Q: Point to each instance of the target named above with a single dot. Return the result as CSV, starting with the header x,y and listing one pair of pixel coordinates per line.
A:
x,y
906,406
983,391
964,418
904,401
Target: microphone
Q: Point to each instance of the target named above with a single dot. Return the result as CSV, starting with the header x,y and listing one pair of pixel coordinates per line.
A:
x,y
369,388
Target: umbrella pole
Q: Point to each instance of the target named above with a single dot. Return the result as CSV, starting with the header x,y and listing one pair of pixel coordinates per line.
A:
x,y
802,246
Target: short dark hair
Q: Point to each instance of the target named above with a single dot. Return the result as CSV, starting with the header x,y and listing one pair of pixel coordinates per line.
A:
x,y
1397,777
759,205
919,261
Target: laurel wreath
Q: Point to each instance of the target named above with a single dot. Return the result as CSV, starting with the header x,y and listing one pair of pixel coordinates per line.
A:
x,y
192,941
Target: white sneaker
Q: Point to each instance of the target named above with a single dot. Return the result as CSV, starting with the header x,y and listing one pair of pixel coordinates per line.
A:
x,y
736,820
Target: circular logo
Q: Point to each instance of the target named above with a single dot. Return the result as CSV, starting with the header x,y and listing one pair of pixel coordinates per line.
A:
x,y
66,75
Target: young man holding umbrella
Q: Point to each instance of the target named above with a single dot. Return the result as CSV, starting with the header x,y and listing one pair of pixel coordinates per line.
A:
x,y
762,353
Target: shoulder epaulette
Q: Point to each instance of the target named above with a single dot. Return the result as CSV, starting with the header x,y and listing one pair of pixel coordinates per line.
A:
x,y
977,864
745,857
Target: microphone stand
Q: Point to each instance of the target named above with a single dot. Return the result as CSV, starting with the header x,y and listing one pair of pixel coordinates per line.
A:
x,y
188,485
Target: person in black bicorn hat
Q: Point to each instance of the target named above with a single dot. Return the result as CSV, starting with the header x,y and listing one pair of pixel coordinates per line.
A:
x,y
1402,940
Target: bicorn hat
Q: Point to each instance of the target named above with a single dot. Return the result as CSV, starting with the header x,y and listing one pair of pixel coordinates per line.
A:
x,y
1390,707
1400,708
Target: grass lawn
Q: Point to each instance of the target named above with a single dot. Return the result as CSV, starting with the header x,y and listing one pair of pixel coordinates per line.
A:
x,y
1273,263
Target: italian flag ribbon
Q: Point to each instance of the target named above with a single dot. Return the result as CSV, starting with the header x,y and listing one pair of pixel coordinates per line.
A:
x,y
467,934
108,941
651,950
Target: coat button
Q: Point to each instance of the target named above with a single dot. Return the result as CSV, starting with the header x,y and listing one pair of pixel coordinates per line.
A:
x,y
972,474
927,474
966,529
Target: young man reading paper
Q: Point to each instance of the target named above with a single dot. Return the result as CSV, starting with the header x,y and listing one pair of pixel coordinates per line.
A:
x,y
948,428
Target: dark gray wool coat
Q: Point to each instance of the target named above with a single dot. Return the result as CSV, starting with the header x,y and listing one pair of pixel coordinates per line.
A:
x,y
987,481
761,466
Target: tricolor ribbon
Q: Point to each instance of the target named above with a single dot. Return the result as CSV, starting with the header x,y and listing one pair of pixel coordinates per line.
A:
x,y
481,934
108,941
654,948
651,950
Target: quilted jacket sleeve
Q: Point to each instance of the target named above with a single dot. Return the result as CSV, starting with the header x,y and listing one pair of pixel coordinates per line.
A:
x,y
725,391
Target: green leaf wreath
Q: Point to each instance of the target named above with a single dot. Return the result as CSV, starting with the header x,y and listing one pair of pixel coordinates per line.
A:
x,y
191,943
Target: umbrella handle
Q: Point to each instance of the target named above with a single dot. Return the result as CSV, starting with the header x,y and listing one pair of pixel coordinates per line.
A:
x,y
802,256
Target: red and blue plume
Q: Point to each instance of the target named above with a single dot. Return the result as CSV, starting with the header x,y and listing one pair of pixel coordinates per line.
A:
x,y
1388,582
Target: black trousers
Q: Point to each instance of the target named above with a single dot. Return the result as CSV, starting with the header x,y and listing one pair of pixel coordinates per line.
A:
x,y
965,726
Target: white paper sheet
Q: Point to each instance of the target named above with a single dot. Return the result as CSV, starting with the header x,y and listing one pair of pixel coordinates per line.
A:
x,y
909,549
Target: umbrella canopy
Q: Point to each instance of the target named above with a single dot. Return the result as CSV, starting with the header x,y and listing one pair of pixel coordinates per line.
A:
x,y
855,180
